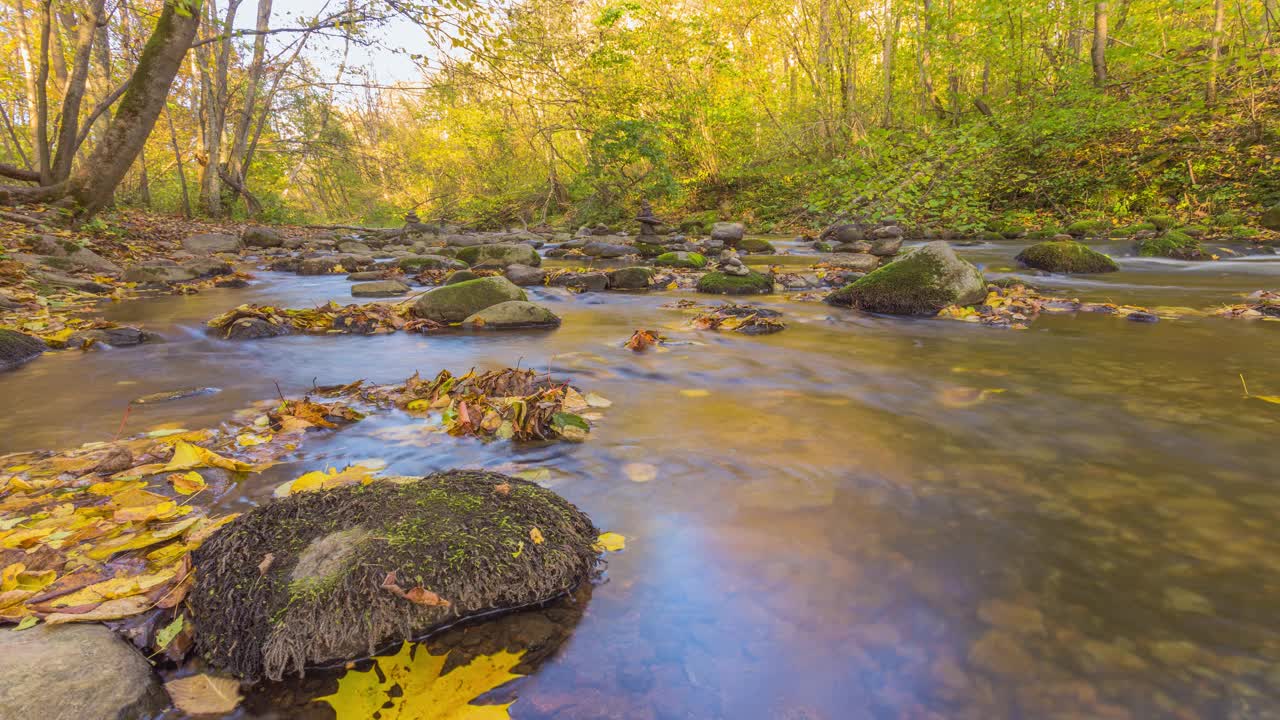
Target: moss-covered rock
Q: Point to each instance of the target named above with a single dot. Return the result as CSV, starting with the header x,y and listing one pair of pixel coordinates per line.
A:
x,y
681,259
454,303
648,250
417,263
1134,229
501,254
920,283
718,283
1270,218
1172,244
333,575
630,278
699,223
757,246
1162,222
458,276
1088,228
379,288
512,315
17,349
1066,257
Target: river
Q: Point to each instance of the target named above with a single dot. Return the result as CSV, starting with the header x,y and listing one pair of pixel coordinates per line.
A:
x,y
858,517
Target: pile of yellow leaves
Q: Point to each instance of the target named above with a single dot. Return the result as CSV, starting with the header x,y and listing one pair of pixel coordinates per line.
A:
x,y
104,531
365,319
508,404
1264,304
1015,307
743,319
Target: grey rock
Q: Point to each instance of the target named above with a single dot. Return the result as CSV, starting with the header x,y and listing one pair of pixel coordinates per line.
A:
x,y
887,231
861,262
254,329
207,267
51,277
884,247
379,288
458,276
502,254
113,337
209,243
354,247
77,671
606,250
730,233
630,278
512,314
583,282
861,247
367,276
416,263
157,272
257,236
327,264
464,240
920,283
525,276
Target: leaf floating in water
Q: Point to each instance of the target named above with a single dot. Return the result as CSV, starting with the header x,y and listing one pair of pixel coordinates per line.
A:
x,y
409,686
695,393
642,340
169,632
1275,399
610,542
187,483
189,457
965,397
205,694
640,472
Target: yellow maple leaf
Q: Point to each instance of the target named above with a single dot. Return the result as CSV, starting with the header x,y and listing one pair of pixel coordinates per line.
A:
x,y
610,542
189,457
423,693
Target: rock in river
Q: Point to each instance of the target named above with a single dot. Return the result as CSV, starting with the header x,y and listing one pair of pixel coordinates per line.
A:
x,y
157,272
261,237
524,276
630,278
602,249
921,283
355,568
17,349
511,315
502,254
415,263
719,283
1066,256
379,288
80,671
730,233
681,259
455,303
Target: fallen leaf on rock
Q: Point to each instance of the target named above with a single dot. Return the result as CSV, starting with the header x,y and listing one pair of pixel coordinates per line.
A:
x,y
205,694
642,340
536,536
167,633
409,686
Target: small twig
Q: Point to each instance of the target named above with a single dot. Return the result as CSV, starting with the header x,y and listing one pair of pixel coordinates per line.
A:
x,y
123,420
277,384
1246,387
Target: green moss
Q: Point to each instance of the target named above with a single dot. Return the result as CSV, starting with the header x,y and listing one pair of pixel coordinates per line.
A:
x,y
823,246
1088,228
644,249
504,252
1172,244
1162,222
1134,229
1243,232
426,262
455,303
920,283
1193,230
1229,220
699,223
673,259
59,263
757,246
1066,257
719,283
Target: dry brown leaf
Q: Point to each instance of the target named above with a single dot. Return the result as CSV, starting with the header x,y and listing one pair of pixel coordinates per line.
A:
x,y
205,694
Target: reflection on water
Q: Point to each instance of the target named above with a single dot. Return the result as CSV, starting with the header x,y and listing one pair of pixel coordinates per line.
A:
x,y
842,524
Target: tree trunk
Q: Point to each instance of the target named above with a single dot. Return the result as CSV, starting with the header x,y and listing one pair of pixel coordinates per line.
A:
x,y
42,95
182,173
890,41
1099,53
96,180
216,66
237,165
69,124
1215,53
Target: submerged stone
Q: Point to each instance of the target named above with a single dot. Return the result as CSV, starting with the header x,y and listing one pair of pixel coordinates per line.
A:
x,y
1066,256
454,303
511,315
333,575
921,283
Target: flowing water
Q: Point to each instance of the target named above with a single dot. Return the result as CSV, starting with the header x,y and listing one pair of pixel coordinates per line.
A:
x,y
843,524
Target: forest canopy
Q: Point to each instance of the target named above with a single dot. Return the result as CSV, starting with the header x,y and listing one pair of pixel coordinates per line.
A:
x,y
784,113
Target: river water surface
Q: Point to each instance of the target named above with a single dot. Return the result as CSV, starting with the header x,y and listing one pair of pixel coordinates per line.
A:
x,y
859,517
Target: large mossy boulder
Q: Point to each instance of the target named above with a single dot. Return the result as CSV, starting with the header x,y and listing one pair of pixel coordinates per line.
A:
x,y
1066,256
455,303
756,246
333,575
630,278
417,263
1270,218
681,259
18,349
1172,244
502,254
719,283
920,283
1088,228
